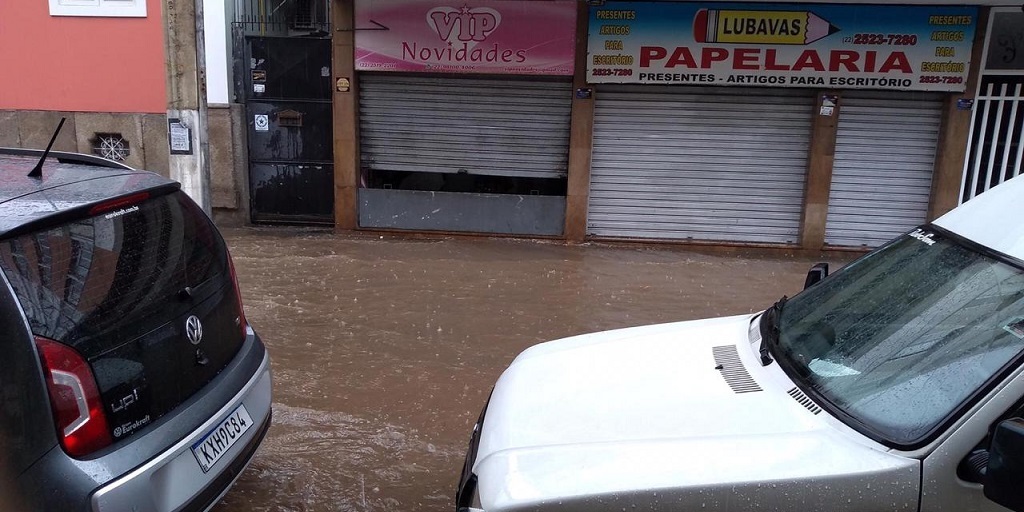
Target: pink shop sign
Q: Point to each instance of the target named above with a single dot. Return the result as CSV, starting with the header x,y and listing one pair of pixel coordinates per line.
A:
x,y
535,37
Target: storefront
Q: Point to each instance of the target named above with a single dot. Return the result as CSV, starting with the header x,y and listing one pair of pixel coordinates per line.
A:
x,y
704,117
464,115
803,125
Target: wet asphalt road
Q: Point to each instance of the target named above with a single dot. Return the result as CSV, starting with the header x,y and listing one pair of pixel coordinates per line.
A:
x,y
384,348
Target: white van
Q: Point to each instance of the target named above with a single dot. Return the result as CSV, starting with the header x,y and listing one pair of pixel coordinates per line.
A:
x,y
894,384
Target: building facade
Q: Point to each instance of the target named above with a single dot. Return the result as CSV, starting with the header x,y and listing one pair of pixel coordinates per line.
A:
x,y
792,125
800,125
102,65
98,64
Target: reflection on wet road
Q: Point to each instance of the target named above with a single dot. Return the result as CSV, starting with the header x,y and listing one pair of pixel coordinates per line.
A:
x,y
384,349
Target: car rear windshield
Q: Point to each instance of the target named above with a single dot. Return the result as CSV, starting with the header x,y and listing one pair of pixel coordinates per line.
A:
x,y
101,281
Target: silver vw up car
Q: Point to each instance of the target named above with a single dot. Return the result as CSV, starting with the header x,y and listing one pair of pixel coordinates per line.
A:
x,y
131,380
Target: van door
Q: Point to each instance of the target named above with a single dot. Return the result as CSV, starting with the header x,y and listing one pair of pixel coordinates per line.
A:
x,y
947,483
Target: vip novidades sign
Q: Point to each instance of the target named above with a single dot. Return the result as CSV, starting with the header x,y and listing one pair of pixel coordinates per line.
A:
x,y
485,36
782,45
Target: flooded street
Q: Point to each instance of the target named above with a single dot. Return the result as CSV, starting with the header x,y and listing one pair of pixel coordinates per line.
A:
x,y
384,348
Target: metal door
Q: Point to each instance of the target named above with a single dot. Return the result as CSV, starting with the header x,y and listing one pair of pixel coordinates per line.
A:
x,y
672,162
290,136
496,127
884,159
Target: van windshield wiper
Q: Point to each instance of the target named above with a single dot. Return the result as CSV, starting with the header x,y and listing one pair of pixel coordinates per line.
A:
x,y
769,326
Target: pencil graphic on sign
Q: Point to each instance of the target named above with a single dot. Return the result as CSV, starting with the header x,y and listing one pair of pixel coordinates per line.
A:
x,y
760,27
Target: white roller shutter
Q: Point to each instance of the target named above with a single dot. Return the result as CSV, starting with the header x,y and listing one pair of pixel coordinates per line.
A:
x,y
496,127
703,163
882,175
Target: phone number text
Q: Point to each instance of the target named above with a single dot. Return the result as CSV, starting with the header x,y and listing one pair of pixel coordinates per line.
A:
x,y
888,39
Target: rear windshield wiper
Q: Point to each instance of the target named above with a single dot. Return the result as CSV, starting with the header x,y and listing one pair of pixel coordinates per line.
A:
x,y
769,326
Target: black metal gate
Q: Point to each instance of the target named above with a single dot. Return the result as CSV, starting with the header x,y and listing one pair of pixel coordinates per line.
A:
x,y
287,86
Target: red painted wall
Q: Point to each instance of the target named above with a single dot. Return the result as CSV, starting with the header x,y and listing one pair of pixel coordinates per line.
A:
x,y
80,64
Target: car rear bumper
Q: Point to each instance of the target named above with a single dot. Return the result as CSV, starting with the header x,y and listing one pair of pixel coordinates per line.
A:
x,y
174,481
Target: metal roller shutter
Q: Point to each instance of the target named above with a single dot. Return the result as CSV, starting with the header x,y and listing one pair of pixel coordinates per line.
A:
x,y
882,175
703,163
496,127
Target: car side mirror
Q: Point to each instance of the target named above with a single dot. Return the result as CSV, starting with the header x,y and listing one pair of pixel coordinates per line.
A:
x,y
818,272
1004,477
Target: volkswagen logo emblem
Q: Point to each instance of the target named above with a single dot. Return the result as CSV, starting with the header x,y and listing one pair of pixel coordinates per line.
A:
x,y
194,329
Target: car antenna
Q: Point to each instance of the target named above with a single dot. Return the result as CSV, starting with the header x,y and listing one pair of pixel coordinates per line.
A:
x,y
37,171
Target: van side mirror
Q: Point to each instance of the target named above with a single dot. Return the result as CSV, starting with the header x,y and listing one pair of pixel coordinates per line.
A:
x,y
818,272
1004,477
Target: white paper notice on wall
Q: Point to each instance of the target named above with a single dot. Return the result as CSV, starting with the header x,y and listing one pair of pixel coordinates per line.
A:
x,y
180,136
828,104
262,122
259,88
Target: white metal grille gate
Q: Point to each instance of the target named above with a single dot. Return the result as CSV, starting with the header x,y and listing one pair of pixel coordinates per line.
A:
x,y
673,162
997,139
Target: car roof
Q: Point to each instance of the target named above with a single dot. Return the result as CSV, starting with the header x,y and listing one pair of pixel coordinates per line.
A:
x,y
69,181
992,219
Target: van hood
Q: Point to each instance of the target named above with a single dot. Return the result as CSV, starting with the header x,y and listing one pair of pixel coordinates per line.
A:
x,y
668,416
983,220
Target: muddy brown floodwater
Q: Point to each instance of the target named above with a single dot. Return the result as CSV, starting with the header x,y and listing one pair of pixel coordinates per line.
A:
x,y
384,348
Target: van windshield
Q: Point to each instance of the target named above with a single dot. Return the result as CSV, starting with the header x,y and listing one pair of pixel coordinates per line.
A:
x,y
901,339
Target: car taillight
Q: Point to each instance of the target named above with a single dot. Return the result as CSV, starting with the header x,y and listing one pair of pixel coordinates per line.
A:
x,y
238,294
75,399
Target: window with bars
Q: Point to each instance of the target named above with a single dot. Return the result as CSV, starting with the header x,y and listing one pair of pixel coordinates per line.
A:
x,y
283,17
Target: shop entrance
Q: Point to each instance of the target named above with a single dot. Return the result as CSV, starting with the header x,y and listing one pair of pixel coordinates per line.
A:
x,y
997,137
699,163
468,154
997,143
883,165
284,77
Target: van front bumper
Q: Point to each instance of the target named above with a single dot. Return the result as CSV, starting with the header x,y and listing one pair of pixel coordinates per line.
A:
x,y
466,492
